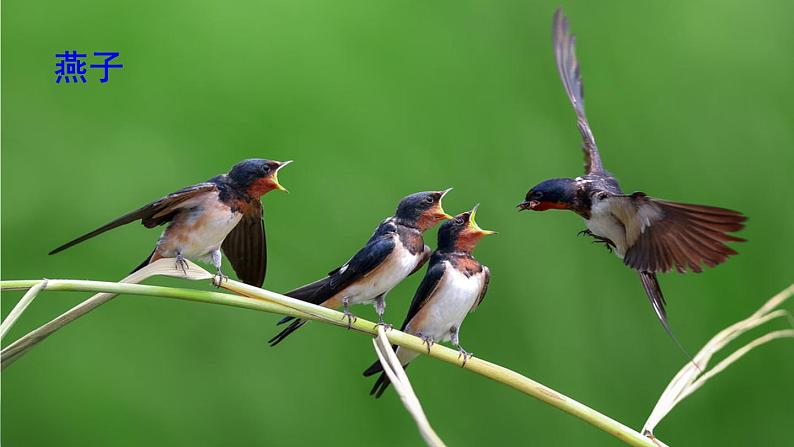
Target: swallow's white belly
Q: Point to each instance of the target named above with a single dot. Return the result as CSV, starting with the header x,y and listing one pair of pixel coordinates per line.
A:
x,y
604,224
397,266
446,310
200,229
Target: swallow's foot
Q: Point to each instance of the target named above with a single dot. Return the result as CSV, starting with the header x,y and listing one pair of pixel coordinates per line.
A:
x,y
465,354
386,326
602,240
428,341
598,239
219,278
181,264
350,318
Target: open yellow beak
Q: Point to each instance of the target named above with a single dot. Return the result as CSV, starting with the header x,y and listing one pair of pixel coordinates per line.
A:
x,y
441,213
473,223
275,176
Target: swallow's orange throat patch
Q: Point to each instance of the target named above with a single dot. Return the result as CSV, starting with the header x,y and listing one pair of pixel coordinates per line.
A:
x,y
429,218
467,240
261,187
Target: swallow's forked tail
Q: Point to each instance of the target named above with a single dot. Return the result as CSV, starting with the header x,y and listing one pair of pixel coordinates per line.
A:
x,y
654,292
316,293
145,262
294,326
383,381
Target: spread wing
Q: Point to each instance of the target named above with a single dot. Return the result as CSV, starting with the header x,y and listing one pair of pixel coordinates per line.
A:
x,y
427,288
568,67
662,235
246,248
486,279
151,215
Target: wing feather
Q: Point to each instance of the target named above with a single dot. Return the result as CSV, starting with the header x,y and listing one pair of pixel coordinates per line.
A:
x,y
568,68
246,246
151,215
486,280
676,235
427,289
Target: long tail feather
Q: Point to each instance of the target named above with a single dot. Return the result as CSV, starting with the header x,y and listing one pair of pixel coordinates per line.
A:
x,y
380,386
317,292
294,326
654,292
144,263
383,380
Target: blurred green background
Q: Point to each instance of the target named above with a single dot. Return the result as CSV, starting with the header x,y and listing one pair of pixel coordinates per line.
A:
x,y
689,101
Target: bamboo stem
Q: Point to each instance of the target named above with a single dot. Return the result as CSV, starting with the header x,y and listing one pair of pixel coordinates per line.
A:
x,y
267,301
20,307
165,267
394,370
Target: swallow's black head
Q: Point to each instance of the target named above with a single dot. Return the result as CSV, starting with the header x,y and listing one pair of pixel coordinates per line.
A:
x,y
257,176
461,233
556,193
422,210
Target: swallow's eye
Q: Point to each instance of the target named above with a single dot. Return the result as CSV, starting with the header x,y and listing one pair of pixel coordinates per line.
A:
x,y
458,221
429,199
538,194
265,169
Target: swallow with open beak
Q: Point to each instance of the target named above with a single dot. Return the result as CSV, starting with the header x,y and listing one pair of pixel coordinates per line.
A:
x,y
223,213
454,285
650,235
395,251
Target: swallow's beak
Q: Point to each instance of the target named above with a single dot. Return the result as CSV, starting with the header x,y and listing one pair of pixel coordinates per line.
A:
x,y
440,213
473,223
275,176
527,205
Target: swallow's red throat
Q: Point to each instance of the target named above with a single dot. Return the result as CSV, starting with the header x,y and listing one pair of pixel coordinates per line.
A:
x,y
543,205
261,187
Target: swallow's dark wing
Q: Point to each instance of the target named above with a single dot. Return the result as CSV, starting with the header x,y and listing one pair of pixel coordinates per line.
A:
x,y
151,215
486,279
427,288
568,67
662,235
362,264
246,248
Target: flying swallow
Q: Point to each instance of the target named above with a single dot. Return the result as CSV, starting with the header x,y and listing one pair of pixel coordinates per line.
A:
x,y
650,235
454,285
223,213
395,251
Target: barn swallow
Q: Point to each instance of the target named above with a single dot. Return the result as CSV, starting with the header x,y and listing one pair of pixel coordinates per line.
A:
x,y
223,213
650,235
394,251
454,285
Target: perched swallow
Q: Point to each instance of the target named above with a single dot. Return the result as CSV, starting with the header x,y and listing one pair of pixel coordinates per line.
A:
x,y
454,285
395,251
651,235
222,213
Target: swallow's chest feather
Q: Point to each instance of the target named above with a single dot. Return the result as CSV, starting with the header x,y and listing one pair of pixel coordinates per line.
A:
x,y
452,301
200,227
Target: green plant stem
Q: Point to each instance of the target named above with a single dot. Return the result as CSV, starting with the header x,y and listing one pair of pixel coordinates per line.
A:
x,y
266,301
